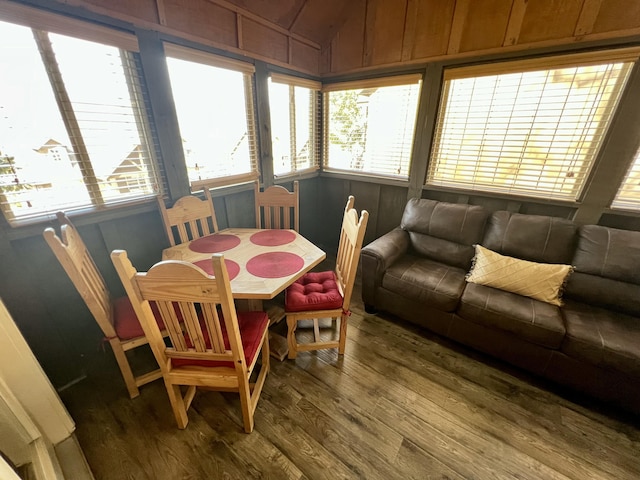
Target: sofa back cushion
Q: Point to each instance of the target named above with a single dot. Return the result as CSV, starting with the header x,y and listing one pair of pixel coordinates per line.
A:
x,y
607,263
608,252
535,238
445,232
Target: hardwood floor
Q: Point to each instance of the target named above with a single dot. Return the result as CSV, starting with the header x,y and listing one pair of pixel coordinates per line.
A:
x,y
401,403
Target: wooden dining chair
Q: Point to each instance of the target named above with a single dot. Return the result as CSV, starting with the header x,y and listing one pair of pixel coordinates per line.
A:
x,y
216,348
318,295
276,207
189,217
115,316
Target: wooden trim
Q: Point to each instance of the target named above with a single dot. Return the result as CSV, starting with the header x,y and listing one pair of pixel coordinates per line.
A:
x,y
239,34
629,54
296,81
162,16
296,17
457,26
52,22
23,376
200,56
262,21
369,33
409,29
198,185
229,49
374,82
518,10
588,17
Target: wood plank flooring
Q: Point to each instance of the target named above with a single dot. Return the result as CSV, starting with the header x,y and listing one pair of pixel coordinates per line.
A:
x,y
401,404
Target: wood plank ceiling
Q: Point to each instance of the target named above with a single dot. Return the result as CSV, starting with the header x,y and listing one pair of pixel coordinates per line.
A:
x,y
337,37
315,20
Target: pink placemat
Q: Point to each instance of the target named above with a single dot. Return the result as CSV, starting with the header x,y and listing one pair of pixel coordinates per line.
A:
x,y
233,269
274,264
272,238
214,243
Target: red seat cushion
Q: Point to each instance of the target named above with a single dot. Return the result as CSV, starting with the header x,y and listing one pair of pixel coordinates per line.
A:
x,y
125,320
313,291
251,326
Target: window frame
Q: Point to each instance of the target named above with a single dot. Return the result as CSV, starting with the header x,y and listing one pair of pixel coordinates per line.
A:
x,y
315,135
548,63
625,201
248,70
44,23
377,82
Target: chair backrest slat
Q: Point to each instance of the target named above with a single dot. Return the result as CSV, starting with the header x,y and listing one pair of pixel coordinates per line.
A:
x,y
277,207
168,314
213,326
77,262
188,300
351,238
191,218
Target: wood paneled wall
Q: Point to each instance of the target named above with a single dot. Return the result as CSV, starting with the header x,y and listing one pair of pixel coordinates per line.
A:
x,y
383,33
333,37
228,26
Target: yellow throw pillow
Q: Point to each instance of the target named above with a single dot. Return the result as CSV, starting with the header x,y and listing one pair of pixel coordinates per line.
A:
x,y
542,281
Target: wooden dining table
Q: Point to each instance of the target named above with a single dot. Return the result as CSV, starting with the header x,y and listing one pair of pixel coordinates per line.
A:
x,y
261,263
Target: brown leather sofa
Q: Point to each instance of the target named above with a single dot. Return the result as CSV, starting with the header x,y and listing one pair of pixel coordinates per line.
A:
x,y
590,344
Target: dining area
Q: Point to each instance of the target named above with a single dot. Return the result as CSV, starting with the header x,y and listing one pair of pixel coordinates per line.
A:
x,y
212,310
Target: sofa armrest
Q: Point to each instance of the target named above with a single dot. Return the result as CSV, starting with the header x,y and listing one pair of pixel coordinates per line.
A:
x,y
377,257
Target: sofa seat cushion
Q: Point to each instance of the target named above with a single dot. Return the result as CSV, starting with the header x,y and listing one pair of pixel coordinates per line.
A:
x,y
532,320
602,337
427,281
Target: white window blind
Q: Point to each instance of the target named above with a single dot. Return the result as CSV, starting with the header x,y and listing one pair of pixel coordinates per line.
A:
x,y
369,125
529,128
215,107
628,196
295,108
73,131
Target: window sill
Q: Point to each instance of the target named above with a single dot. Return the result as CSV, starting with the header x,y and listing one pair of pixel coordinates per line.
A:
x,y
364,177
86,216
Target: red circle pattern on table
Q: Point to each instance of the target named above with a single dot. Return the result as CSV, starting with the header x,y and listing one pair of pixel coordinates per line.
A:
x,y
214,243
272,238
275,264
233,269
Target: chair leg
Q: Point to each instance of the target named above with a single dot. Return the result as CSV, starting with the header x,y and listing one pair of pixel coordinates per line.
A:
x,y
292,324
245,405
177,404
266,362
125,368
343,334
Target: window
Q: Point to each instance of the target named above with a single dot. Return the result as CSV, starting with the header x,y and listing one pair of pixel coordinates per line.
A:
x,y
628,196
294,104
73,131
369,125
215,107
531,127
